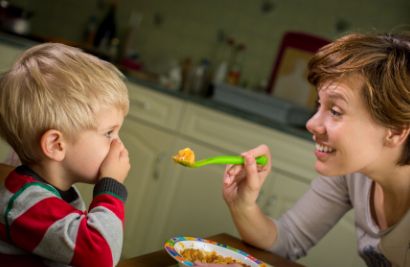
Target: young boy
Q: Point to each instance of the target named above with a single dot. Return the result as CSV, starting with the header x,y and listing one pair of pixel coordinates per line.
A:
x,y
61,110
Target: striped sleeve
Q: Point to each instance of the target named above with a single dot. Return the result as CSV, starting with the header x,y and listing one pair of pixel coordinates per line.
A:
x,y
62,233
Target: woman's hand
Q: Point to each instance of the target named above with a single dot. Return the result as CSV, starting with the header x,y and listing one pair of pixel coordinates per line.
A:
x,y
243,183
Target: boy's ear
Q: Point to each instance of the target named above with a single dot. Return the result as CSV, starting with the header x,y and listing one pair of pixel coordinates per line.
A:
x,y
53,145
396,137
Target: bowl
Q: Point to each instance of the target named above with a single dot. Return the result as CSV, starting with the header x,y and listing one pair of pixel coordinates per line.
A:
x,y
176,245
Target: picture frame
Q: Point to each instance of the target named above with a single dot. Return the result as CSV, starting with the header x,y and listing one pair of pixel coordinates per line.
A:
x,y
288,79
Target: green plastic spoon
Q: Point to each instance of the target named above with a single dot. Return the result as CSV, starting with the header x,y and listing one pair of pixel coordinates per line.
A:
x,y
239,160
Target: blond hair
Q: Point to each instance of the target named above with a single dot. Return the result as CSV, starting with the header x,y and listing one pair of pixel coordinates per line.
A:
x,y
383,61
55,86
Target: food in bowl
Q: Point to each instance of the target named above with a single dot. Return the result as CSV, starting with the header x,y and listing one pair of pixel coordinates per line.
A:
x,y
189,251
195,255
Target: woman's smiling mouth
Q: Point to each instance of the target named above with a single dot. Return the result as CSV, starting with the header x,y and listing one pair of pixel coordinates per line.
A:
x,y
324,149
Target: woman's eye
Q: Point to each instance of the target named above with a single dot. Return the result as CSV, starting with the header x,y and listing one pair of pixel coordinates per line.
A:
x,y
334,112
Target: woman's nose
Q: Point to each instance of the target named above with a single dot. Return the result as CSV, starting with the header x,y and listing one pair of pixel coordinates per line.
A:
x,y
315,124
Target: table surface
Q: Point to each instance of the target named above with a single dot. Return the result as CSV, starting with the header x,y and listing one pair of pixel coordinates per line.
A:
x,y
161,257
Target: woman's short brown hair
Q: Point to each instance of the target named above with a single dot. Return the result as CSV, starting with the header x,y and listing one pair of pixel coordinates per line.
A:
x,y
383,61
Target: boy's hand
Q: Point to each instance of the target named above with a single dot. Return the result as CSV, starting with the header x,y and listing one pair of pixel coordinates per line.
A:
x,y
116,164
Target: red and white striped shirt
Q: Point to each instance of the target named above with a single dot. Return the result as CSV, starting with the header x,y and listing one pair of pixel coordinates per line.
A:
x,y
42,226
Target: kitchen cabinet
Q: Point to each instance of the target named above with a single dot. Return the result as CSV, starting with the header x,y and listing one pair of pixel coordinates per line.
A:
x,y
191,203
149,133
8,55
148,148
166,199
4,150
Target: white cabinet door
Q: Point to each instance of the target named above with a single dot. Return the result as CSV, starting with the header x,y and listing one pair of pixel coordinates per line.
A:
x,y
191,201
154,108
285,190
149,134
8,54
4,150
220,130
149,151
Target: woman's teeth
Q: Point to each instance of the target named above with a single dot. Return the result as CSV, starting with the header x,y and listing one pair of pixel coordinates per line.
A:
x,y
323,148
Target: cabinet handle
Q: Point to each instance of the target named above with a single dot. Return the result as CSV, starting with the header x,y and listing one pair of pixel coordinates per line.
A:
x,y
270,205
156,174
140,104
260,197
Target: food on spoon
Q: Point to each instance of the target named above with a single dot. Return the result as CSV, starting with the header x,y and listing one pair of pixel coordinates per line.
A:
x,y
194,255
185,157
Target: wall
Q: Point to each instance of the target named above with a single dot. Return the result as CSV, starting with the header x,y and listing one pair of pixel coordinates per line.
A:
x,y
172,30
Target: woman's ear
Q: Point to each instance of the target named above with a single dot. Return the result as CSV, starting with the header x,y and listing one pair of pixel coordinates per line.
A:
x,y
396,137
53,145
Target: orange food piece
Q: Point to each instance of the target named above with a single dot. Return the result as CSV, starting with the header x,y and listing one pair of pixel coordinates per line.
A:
x,y
185,156
194,255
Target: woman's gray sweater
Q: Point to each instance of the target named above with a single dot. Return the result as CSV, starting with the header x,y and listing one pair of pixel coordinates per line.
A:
x,y
321,207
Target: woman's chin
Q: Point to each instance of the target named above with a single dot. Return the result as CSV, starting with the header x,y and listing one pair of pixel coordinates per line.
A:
x,y
325,170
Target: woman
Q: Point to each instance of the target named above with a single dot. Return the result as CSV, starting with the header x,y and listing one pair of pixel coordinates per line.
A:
x,y
361,131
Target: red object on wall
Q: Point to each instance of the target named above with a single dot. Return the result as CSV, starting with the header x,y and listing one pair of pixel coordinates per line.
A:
x,y
297,40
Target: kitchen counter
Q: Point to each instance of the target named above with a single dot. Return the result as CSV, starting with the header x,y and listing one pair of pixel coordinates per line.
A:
x,y
211,103
28,41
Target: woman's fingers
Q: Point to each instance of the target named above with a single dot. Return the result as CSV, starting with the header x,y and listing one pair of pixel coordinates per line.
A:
x,y
233,173
253,180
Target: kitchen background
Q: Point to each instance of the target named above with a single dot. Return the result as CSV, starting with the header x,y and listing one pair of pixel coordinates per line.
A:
x,y
159,34
157,41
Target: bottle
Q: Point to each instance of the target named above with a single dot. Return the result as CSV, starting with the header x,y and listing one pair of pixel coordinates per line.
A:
x,y
200,78
107,31
186,74
175,77
220,73
222,61
128,45
90,31
234,73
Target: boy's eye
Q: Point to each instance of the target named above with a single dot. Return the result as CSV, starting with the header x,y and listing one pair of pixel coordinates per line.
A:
x,y
109,134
